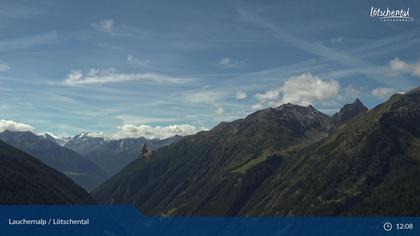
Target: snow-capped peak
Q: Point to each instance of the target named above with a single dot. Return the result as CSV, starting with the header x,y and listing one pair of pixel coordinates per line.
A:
x,y
57,139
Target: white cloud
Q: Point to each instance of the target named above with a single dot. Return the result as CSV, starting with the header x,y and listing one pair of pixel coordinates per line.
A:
x,y
416,69
303,89
241,95
135,131
398,65
306,88
137,61
4,67
14,126
99,76
104,25
383,92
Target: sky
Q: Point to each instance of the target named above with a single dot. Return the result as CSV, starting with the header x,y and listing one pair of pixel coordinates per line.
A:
x,y
160,68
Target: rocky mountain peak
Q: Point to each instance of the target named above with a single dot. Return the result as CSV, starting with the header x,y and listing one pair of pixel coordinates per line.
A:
x,y
349,111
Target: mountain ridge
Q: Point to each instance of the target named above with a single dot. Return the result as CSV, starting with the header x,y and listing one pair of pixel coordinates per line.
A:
x,y
373,168
206,160
271,162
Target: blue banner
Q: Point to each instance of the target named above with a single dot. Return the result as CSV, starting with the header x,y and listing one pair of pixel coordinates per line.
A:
x,y
126,220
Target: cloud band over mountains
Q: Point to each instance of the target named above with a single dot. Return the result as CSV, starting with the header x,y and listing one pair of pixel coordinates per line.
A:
x,y
123,131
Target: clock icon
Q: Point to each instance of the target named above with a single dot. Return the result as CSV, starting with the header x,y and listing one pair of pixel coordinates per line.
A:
x,y
387,226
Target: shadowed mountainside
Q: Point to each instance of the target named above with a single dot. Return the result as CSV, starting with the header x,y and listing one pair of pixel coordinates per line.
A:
x,y
81,170
26,180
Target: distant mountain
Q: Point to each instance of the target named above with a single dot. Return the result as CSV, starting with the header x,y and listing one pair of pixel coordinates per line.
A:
x,y
284,161
81,170
85,141
26,180
113,155
59,140
349,111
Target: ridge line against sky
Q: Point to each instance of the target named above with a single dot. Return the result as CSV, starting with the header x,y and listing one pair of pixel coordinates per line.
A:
x,y
158,65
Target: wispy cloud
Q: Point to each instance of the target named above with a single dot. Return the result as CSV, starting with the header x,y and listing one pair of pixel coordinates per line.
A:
x,y
336,40
386,45
352,92
100,76
20,11
345,58
28,41
203,96
219,110
317,49
4,67
105,25
241,95
212,97
228,62
119,29
137,61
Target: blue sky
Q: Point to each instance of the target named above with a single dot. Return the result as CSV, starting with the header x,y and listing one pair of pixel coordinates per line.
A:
x,y
156,68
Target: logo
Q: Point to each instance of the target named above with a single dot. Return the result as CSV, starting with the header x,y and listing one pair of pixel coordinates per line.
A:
x,y
401,15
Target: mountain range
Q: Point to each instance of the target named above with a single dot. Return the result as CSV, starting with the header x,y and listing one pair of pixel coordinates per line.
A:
x,y
289,160
112,155
44,147
26,180
87,159
286,161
